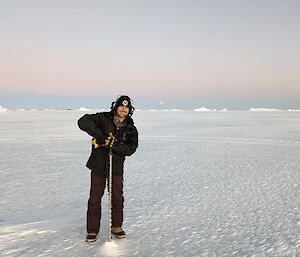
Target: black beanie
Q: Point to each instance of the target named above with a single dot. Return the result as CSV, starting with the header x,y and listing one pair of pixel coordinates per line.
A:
x,y
125,101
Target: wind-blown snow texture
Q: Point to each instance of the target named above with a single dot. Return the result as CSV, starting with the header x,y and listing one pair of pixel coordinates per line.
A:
x,y
200,184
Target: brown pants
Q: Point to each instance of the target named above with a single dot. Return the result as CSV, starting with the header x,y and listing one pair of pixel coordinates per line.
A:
x,y
94,203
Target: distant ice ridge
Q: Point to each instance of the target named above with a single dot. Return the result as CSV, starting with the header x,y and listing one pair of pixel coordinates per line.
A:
x,y
203,109
166,110
176,110
272,110
264,110
2,109
84,109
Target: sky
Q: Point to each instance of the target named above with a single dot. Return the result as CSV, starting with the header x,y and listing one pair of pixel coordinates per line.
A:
x,y
186,54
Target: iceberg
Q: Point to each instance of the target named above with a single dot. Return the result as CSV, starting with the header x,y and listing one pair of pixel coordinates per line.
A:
x,y
84,109
203,109
2,109
264,110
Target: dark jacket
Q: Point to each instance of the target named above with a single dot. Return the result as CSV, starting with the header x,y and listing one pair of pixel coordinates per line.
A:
x,y
98,126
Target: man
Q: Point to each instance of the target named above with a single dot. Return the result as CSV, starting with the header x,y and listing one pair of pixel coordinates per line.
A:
x,y
115,130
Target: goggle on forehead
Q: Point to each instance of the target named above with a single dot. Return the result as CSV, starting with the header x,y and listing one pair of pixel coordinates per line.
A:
x,y
125,103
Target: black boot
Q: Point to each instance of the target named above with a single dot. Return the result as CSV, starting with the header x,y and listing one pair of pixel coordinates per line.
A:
x,y
91,237
118,232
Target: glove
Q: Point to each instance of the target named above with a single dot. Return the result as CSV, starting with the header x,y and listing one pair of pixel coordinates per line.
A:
x,y
94,143
110,140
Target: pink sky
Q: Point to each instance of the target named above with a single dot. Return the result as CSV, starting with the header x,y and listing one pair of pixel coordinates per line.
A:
x,y
191,49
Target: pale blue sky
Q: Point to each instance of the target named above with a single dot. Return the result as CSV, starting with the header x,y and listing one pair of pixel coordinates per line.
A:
x,y
186,53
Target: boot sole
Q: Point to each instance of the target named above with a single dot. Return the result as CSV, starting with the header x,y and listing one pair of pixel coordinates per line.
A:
x,y
90,240
119,236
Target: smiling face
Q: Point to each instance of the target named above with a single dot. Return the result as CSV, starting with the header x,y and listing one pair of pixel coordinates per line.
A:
x,y
122,112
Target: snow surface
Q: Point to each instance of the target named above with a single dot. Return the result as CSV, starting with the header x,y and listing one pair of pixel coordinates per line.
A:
x,y
200,184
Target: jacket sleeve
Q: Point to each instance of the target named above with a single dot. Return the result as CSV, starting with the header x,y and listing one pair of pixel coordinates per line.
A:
x,y
91,124
130,145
